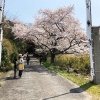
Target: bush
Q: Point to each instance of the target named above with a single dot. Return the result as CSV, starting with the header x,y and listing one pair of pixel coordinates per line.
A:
x,y
64,62
7,44
13,56
83,64
79,63
5,59
9,53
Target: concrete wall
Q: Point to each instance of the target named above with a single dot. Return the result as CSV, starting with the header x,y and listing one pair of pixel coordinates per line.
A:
x,y
96,53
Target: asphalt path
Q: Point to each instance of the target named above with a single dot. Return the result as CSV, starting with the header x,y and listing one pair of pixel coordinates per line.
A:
x,y
38,83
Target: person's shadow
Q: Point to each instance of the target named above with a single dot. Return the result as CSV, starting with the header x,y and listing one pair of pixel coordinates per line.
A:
x,y
11,78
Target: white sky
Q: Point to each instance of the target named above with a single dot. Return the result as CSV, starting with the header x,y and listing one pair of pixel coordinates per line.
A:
x,y
26,9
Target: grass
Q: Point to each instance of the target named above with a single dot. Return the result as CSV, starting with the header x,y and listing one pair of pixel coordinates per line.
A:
x,y
80,80
1,74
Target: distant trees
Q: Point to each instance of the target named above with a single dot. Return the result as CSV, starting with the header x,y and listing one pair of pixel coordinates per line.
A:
x,y
54,31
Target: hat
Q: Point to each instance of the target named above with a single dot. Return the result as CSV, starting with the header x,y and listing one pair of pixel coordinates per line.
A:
x,y
20,54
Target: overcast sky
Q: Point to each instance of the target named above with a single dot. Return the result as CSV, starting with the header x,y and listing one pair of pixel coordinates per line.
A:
x,y
26,9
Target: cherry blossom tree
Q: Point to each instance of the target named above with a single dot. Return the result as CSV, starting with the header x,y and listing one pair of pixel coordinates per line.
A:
x,y
19,29
56,31
59,31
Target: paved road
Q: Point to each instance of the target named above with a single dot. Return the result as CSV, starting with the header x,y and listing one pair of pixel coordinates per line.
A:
x,y
37,83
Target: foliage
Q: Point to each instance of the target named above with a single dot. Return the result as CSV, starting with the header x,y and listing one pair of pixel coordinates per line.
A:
x,y
46,64
7,51
8,45
8,34
76,63
55,31
79,64
7,31
18,44
83,64
5,59
11,46
13,56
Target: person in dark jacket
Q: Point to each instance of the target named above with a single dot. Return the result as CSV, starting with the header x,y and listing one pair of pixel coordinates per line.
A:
x,y
27,59
40,60
15,67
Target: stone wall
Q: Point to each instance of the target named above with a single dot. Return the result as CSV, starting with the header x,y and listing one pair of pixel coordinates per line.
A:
x,y
96,53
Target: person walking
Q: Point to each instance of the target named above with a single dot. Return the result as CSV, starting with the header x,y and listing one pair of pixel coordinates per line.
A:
x,y
15,67
27,59
21,65
40,60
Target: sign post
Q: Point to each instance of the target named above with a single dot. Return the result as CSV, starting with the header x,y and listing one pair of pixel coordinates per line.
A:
x,y
2,2
89,25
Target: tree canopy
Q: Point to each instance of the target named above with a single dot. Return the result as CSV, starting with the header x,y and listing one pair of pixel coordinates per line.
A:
x,y
56,31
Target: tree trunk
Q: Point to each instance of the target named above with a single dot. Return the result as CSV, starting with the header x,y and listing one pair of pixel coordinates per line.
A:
x,y
52,58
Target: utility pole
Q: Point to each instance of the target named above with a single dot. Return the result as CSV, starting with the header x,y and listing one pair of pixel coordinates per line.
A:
x,y
2,3
89,25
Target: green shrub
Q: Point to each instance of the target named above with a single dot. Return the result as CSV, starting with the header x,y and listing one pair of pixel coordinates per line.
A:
x,y
64,62
79,63
5,59
8,45
13,56
83,64
47,64
9,53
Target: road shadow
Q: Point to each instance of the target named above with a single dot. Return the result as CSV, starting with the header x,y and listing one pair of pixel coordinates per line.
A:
x,y
56,96
38,68
34,66
74,90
